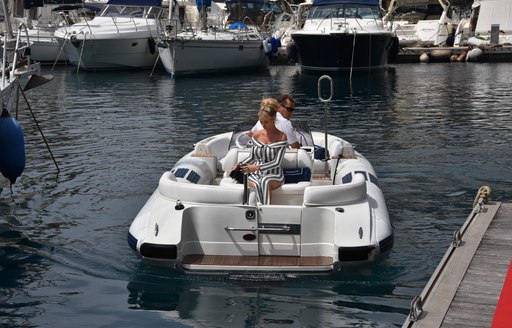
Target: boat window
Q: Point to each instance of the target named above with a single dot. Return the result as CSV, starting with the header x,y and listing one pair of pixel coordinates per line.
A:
x,y
131,11
111,11
345,11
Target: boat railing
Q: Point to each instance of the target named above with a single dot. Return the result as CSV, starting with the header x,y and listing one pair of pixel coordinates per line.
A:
x,y
132,13
9,65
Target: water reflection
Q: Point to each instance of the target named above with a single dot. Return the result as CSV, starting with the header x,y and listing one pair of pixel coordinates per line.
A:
x,y
434,133
215,301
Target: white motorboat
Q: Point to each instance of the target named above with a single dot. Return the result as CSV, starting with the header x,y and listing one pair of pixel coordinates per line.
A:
x,y
44,46
213,47
122,36
345,35
42,21
422,23
330,213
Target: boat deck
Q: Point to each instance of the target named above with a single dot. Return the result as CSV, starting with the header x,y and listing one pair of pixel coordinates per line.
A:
x,y
472,286
257,261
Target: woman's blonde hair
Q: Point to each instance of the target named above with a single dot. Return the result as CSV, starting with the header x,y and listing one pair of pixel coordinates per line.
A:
x,y
269,107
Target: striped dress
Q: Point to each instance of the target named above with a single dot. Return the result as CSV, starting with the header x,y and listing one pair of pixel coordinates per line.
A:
x,y
269,158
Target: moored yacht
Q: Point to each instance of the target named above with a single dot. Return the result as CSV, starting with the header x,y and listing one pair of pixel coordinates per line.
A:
x,y
122,36
422,23
341,35
212,47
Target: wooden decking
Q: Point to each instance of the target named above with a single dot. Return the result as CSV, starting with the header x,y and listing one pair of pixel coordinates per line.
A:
x,y
466,286
258,261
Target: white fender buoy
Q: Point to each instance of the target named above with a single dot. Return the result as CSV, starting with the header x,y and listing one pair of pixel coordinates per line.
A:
x,y
440,54
267,46
474,54
424,58
12,147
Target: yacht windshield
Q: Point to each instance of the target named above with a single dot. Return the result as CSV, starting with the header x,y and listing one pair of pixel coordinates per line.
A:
x,y
131,11
345,10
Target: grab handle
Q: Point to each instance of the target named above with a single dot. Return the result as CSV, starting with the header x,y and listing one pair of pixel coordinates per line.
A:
x,y
331,85
325,101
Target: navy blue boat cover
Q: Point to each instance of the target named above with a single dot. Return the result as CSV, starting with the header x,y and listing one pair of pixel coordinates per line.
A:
x,y
142,3
245,1
363,2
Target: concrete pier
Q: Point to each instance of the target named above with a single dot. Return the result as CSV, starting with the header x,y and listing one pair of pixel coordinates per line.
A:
x,y
468,283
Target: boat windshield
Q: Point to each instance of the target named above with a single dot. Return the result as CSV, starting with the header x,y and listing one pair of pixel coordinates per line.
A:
x,y
414,13
251,11
131,11
240,137
345,10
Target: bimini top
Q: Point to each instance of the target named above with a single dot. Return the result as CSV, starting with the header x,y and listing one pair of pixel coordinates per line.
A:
x,y
141,3
361,2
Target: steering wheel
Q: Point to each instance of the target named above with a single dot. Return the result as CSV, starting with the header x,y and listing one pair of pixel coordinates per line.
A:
x,y
242,139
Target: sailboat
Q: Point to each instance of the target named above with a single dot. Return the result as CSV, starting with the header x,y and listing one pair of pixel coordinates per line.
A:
x,y
208,49
17,71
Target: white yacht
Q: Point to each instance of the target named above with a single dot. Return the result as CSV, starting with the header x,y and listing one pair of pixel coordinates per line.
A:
x,y
122,36
211,45
422,23
345,35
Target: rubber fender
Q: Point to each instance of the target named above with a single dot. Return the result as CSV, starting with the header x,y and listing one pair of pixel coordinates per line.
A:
x,y
152,45
12,147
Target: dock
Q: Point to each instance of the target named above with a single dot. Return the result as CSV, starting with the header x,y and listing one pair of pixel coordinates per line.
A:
x,y
489,53
472,285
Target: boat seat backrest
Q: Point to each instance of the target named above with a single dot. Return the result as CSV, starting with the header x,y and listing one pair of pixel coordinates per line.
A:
x,y
293,158
213,146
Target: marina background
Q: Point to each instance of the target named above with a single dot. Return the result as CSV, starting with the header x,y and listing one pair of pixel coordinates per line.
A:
x,y
435,133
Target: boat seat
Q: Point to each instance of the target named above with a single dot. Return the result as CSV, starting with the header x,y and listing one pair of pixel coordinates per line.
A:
x,y
293,159
170,187
288,193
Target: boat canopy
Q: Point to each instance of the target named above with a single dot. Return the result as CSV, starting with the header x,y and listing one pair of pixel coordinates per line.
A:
x,y
358,2
140,3
62,2
245,1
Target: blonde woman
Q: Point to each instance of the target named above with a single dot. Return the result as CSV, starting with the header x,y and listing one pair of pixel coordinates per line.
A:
x,y
263,166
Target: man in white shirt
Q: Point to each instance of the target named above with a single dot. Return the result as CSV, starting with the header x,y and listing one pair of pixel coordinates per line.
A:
x,y
285,112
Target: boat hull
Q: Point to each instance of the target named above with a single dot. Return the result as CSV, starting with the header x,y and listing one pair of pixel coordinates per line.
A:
x,y
199,221
110,43
111,54
47,51
185,57
344,51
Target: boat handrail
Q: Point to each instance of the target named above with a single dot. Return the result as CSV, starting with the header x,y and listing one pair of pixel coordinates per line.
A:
x,y
325,101
20,45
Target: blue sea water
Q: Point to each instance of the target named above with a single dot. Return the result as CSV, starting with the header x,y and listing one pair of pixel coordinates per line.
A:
x,y
434,133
